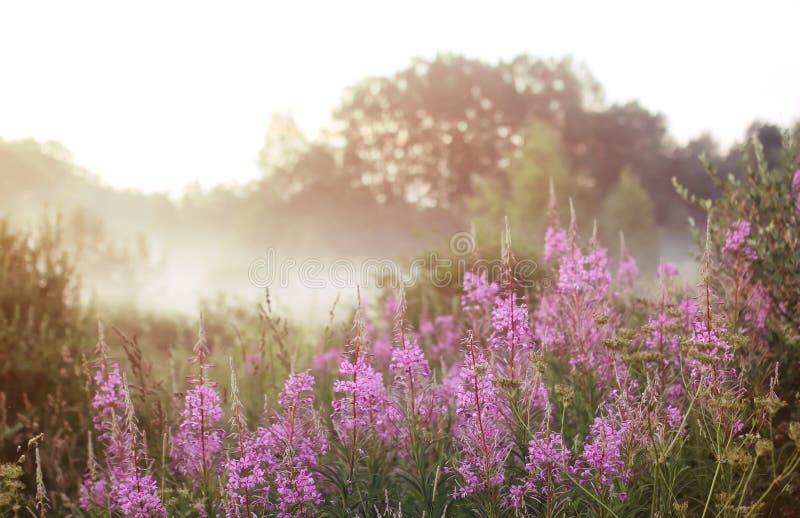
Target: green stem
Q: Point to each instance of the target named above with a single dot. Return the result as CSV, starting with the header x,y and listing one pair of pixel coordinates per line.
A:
x,y
791,466
742,488
711,489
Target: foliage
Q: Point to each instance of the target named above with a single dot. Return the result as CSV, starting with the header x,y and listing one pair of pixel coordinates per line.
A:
x,y
42,333
628,209
522,194
762,194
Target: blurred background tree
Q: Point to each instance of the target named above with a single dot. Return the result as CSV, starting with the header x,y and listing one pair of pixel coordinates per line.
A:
x,y
407,160
629,209
428,133
522,192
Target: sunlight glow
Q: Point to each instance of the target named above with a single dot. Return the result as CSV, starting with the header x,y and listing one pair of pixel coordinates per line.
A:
x,y
157,95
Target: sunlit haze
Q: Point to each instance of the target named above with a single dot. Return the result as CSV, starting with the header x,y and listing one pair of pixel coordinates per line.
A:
x,y
158,95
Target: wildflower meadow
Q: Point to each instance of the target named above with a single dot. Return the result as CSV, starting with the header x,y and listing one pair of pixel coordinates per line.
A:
x,y
593,391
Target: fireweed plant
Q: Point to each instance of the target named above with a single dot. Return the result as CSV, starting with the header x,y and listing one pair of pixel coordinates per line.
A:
x,y
588,399
197,443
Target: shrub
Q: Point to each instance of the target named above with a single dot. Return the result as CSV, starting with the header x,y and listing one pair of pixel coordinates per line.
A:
x,y
42,334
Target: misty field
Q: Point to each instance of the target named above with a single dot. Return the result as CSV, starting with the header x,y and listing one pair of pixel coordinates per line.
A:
x,y
313,261
585,390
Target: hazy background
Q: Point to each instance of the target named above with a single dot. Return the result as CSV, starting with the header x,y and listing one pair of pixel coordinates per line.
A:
x,y
177,142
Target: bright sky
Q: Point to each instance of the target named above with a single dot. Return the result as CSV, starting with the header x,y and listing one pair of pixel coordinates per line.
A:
x,y
155,95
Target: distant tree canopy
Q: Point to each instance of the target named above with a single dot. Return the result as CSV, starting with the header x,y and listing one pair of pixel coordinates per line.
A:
x,y
426,134
432,145
429,133
629,210
522,194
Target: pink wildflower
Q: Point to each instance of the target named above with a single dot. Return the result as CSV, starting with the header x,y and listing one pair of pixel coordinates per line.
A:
x,y
547,461
735,241
197,445
555,244
296,441
478,292
603,457
482,440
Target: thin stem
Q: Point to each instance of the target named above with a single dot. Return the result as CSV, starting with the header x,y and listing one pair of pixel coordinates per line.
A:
x,y
484,447
711,489
355,415
408,369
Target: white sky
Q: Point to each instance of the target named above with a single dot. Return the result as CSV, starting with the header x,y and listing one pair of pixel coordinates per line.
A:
x,y
155,95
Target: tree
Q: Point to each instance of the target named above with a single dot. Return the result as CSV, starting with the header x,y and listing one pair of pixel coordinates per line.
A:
x,y
284,144
629,209
607,141
429,132
523,193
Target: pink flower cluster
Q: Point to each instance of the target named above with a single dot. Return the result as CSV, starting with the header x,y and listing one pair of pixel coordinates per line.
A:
x,y
565,321
628,271
478,292
491,405
123,483
710,365
735,241
555,244
197,445
275,469
483,441
604,455
548,461
364,410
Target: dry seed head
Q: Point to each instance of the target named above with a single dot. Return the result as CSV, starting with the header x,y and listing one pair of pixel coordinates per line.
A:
x,y
91,462
771,403
102,347
508,383
673,328
200,348
681,509
763,446
130,416
794,432
573,220
10,471
234,384
33,442
536,358
565,393
626,333
507,237
724,500
749,510
358,342
674,312
737,456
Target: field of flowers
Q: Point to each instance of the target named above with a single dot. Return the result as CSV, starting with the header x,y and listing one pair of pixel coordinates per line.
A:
x,y
602,394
